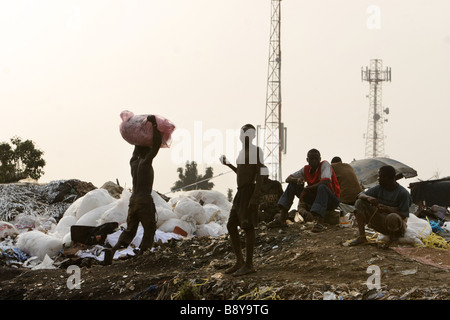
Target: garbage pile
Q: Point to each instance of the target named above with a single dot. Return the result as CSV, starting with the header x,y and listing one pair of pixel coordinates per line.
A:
x,y
35,236
192,251
439,219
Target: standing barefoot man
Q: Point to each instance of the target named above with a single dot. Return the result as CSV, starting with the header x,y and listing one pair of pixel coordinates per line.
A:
x,y
244,212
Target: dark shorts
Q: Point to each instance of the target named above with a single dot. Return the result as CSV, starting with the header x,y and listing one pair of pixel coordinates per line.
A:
x,y
377,220
241,215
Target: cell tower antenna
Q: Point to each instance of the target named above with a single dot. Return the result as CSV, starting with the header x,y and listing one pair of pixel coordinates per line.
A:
x,y
375,134
274,130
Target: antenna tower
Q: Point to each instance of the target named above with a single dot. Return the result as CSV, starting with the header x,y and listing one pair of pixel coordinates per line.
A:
x,y
274,131
375,135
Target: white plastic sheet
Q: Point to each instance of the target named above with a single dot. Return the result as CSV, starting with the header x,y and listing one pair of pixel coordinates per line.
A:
x,y
96,252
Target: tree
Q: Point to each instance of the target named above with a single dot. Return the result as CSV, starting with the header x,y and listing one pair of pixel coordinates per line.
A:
x,y
230,195
189,179
19,161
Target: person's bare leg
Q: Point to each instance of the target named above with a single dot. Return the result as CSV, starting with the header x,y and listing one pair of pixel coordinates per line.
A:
x,y
283,214
149,235
236,244
249,248
361,221
146,244
109,253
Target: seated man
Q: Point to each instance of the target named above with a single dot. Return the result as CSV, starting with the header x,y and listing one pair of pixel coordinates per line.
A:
x,y
321,193
348,182
270,193
385,208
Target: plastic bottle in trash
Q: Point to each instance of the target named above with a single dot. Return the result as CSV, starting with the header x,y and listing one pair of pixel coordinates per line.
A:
x,y
439,211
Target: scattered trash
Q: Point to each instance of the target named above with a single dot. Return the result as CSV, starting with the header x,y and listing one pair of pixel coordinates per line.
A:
x,y
11,254
439,211
175,256
264,293
40,244
7,230
435,241
407,293
328,295
298,218
373,294
46,263
180,231
435,226
409,272
152,288
344,221
446,226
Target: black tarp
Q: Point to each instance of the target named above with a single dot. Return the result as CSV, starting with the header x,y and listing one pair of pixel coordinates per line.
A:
x,y
432,192
92,235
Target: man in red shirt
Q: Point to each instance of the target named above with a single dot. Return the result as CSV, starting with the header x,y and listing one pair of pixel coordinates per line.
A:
x,y
321,192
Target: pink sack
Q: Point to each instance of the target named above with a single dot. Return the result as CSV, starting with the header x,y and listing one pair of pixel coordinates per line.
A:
x,y
136,130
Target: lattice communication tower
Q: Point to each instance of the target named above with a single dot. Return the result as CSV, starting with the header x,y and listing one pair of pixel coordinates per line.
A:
x,y
274,130
375,133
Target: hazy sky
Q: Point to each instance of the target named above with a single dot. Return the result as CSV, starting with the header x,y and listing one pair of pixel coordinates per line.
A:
x,y
68,68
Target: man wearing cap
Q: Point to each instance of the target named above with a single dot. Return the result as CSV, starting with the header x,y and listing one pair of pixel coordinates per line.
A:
x,y
384,208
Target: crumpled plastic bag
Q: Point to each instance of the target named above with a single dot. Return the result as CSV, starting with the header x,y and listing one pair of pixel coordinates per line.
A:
x,y
136,130
187,226
37,243
211,229
187,206
47,263
9,251
94,199
7,230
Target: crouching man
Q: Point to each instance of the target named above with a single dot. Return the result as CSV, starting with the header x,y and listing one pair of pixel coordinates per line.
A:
x,y
384,208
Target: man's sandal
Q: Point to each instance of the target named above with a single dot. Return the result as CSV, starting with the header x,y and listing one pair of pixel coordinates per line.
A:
x,y
357,242
318,228
277,224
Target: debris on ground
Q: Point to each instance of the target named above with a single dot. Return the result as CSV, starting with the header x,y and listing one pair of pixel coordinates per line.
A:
x,y
292,263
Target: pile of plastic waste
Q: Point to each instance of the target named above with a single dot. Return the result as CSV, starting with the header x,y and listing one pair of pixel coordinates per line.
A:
x,y
193,213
